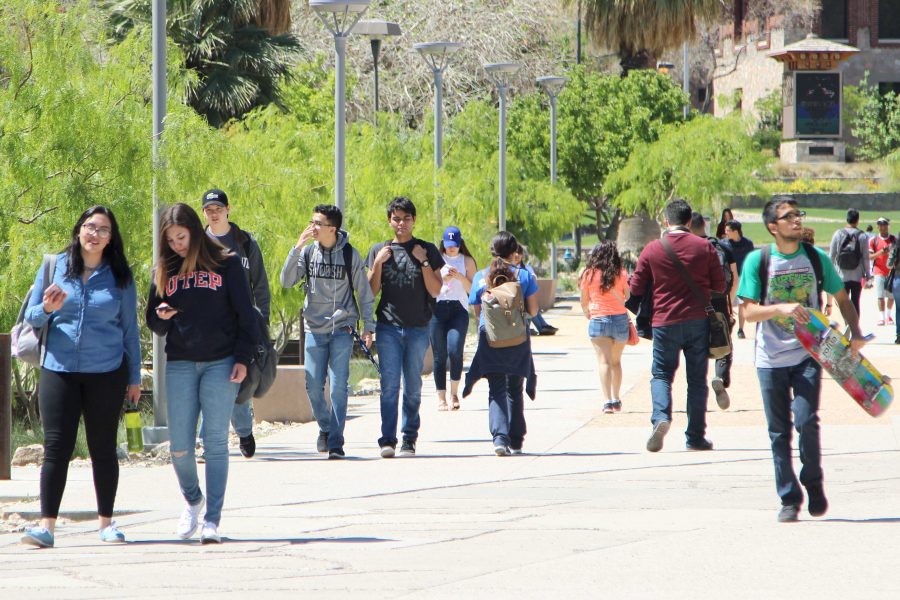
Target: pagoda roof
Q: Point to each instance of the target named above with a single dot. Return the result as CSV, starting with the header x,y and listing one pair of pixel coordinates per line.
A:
x,y
812,44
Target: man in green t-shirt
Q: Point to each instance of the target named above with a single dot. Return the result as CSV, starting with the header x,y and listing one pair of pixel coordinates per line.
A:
x,y
789,378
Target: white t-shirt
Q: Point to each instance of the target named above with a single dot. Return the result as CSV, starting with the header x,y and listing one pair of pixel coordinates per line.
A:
x,y
453,289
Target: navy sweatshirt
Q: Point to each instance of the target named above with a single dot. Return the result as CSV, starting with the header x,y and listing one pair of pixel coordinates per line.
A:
x,y
215,317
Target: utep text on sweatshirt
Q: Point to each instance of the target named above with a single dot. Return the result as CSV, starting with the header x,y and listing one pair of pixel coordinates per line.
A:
x,y
215,317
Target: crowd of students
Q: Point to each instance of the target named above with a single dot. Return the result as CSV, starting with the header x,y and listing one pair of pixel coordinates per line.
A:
x,y
209,291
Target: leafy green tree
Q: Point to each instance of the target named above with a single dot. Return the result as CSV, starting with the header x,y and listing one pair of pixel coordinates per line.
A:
x,y
876,121
235,60
641,30
701,161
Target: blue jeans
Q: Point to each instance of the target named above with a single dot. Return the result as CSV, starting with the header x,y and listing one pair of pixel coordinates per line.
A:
x,y
448,340
328,353
195,388
690,337
241,420
776,385
539,321
506,409
401,351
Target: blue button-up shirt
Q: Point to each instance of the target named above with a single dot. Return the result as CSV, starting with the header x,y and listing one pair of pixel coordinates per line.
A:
x,y
96,326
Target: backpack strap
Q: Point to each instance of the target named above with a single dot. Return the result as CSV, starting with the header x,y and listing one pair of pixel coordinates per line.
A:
x,y
49,274
347,251
763,272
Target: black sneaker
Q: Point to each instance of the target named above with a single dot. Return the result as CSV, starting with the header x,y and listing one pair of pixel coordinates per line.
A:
x,y
702,445
722,398
741,335
818,503
549,330
608,408
322,442
336,453
408,448
788,513
248,446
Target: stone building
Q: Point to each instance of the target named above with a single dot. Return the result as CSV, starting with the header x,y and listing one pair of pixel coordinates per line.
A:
x,y
744,72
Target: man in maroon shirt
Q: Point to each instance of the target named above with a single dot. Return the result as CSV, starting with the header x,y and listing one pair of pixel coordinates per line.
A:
x,y
679,322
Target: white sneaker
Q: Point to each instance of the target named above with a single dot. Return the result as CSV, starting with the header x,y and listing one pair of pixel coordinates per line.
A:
x,y
210,534
190,519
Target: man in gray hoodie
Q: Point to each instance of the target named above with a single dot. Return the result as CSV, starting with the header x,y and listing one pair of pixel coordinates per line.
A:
x,y
333,272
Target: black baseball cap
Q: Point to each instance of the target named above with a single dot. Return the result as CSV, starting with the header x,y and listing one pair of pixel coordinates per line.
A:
x,y
217,197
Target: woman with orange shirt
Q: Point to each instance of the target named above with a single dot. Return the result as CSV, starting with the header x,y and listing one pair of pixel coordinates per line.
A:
x,y
604,289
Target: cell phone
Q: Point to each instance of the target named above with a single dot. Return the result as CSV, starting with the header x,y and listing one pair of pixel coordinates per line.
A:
x,y
166,308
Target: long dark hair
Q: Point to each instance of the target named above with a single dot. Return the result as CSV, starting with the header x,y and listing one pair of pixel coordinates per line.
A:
x,y
203,253
462,249
503,245
113,254
605,259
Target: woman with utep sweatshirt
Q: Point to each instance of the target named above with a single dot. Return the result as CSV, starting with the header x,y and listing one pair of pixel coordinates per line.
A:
x,y
200,301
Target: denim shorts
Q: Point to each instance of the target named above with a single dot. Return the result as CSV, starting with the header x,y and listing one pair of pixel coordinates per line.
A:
x,y
612,326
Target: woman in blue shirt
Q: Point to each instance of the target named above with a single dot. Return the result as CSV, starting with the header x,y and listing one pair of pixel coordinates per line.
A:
x,y
92,362
509,369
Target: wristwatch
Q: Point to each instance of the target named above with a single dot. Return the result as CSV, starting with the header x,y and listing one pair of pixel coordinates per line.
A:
x,y
425,263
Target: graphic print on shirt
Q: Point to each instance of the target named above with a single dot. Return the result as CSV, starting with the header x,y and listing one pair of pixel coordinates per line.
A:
x,y
322,270
195,279
788,286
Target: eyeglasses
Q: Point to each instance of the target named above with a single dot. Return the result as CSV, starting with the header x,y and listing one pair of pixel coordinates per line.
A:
x,y
794,215
101,232
320,224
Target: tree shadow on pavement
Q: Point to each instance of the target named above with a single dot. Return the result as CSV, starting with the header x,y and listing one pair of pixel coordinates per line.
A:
x,y
293,541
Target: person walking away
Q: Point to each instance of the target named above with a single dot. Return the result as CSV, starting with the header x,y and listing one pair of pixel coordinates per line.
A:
x,y
849,253
740,247
216,211
509,367
199,299
721,302
679,321
604,289
92,363
779,284
337,297
407,272
879,250
450,321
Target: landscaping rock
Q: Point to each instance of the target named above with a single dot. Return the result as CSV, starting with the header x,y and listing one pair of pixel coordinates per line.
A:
x,y
28,455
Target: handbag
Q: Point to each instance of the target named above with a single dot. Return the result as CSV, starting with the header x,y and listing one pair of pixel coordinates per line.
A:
x,y
28,343
719,331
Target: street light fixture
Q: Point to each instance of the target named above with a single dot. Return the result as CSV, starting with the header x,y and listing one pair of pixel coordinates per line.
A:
x,y
339,17
501,74
437,54
376,31
552,86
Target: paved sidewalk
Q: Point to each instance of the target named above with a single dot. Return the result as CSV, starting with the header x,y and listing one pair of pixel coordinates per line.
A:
x,y
587,513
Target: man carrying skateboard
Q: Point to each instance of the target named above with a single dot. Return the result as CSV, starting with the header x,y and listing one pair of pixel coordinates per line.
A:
x,y
778,284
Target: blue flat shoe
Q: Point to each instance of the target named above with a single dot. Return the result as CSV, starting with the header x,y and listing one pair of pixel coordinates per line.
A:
x,y
38,536
112,535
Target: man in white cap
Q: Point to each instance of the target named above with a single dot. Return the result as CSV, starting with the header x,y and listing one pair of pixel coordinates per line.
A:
x,y
879,249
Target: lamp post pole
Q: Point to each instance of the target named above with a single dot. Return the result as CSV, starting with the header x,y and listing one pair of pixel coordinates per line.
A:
x,y
500,74
552,87
436,55
339,17
159,432
376,31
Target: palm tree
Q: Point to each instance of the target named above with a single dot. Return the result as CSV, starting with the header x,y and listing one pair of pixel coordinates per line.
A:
x,y
238,49
641,30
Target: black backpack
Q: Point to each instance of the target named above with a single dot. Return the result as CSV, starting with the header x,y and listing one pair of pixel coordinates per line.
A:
x,y
849,252
814,260
726,268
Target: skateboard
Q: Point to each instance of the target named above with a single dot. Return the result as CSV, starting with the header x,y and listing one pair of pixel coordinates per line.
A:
x,y
831,349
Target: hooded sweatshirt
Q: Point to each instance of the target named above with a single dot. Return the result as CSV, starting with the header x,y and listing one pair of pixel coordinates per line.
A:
x,y
327,288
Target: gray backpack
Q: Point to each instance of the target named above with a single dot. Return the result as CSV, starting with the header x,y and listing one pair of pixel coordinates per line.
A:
x,y
503,304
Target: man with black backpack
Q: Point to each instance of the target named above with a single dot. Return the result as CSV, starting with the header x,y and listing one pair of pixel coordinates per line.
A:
x,y
337,297
778,284
216,211
849,252
721,302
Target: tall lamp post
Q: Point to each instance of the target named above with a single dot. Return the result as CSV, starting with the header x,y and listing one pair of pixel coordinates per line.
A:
x,y
376,31
159,432
437,55
552,86
500,74
339,17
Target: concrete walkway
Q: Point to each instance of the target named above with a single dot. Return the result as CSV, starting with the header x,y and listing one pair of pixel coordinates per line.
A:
x,y
586,513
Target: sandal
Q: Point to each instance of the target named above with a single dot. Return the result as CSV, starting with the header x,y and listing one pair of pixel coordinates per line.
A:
x,y
455,400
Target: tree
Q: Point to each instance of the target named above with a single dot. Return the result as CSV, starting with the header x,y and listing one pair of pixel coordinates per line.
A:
x,y
701,161
641,30
875,122
235,59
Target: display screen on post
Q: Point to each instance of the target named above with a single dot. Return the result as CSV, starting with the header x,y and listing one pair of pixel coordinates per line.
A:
x,y
818,104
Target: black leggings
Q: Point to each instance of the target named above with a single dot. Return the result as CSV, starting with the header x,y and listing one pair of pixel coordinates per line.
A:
x,y
63,398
